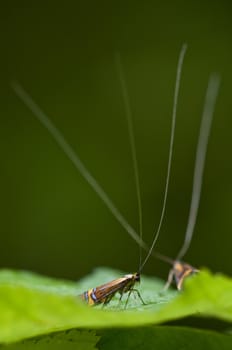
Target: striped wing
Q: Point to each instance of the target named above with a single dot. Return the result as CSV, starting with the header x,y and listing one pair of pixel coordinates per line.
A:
x,y
110,288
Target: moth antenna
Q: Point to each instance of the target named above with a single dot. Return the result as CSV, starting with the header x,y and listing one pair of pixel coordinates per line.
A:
x,y
175,100
208,111
128,114
162,257
71,154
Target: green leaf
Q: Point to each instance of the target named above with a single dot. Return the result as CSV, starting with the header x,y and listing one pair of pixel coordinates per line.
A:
x,y
144,338
32,305
166,337
69,340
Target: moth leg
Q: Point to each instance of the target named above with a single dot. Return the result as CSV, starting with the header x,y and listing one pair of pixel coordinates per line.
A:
x,y
129,293
107,299
170,279
139,295
120,299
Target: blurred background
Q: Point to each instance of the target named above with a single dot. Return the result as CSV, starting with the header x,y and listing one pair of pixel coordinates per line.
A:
x,y
51,221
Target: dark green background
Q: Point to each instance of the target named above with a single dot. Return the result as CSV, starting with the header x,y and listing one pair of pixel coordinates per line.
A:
x,y
50,219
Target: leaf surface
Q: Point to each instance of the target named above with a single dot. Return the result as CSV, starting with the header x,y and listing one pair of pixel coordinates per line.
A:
x,y
32,305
